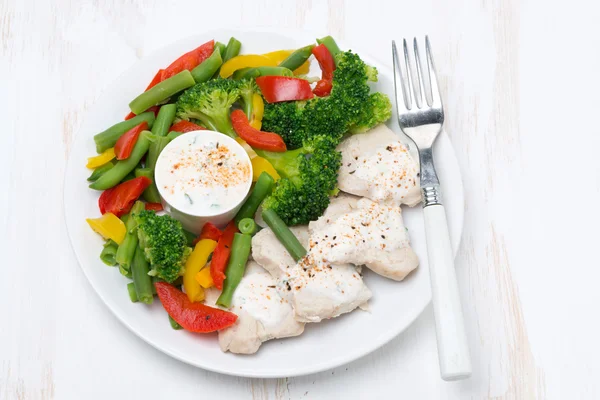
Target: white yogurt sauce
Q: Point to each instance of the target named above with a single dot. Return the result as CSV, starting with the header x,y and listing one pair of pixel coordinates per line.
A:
x,y
203,173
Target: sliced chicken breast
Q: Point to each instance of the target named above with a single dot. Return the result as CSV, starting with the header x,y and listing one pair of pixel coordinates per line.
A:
x,y
323,291
315,293
262,313
367,233
376,165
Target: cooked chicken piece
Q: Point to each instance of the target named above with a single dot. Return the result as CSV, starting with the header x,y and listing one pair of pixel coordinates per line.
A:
x,y
262,313
376,165
322,291
268,251
367,233
340,205
315,294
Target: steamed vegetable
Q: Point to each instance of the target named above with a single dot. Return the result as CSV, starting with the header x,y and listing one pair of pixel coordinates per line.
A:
x,y
164,244
112,177
283,233
210,103
125,144
257,139
141,280
162,91
247,226
126,250
109,226
189,60
276,89
109,251
221,255
107,139
308,177
97,173
194,317
240,251
195,262
263,187
101,159
349,108
207,69
297,58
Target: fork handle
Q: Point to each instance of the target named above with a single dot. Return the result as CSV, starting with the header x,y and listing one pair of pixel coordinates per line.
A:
x,y
453,351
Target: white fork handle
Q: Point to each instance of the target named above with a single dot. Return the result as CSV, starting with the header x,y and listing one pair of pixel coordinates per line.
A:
x,y
453,351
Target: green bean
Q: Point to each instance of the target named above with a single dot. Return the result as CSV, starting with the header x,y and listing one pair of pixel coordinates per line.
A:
x,y
174,324
283,233
132,293
172,135
154,280
123,167
97,173
162,91
108,253
130,242
208,67
297,58
129,176
221,47
262,188
125,272
233,49
157,144
331,46
261,71
240,250
164,119
151,193
107,139
141,279
247,226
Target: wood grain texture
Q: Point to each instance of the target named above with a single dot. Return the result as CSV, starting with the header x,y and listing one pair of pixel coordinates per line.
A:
x,y
518,111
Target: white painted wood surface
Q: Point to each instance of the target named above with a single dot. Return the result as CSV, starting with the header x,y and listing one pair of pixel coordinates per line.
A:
x,y
520,82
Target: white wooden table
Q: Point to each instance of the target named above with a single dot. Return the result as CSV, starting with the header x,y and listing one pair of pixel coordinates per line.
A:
x,y
520,80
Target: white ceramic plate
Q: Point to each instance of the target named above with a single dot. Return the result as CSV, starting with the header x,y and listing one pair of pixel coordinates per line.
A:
x,y
394,306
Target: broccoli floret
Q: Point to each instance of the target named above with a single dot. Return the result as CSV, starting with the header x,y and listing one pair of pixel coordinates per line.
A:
x,y
210,103
164,243
309,176
247,88
379,109
349,107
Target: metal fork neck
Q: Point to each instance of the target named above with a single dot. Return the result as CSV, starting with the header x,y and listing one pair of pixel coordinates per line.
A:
x,y
430,184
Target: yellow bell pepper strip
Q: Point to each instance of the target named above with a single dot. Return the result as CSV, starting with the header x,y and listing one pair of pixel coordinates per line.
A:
x,y
195,262
260,165
204,278
280,55
109,226
101,159
258,109
244,61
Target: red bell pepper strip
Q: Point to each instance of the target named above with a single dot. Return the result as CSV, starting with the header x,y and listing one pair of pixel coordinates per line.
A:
x,y
221,255
127,141
327,64
153,207
323,88
325,60
186,126
119,199
194,317
209,231
156,80
284,88
258,139
189,60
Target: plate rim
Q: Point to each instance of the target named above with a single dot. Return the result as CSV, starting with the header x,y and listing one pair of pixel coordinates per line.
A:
x,y
343,359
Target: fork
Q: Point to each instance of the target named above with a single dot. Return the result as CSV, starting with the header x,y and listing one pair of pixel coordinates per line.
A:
x,y
422,121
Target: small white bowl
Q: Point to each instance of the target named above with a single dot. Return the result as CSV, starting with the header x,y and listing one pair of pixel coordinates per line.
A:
x,y
194,221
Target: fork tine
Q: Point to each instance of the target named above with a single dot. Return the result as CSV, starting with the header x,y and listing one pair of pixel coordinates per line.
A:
x,y
409,81
399,87
420,95
436,100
